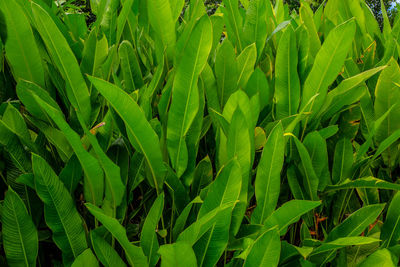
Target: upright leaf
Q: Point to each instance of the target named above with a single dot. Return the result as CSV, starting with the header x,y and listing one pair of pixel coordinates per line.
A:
x,y
265,251
390,233
20,237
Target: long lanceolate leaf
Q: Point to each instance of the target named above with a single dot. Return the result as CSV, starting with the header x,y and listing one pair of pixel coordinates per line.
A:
x,y
267,184
65,61
20,237
21,49
287,83
328,63
134,254
391,228
140,133
60,211
185,95
94,179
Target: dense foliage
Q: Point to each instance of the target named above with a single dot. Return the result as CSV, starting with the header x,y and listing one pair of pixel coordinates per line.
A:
x,y
152,133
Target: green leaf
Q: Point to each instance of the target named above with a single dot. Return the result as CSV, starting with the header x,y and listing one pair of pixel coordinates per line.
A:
x,y
133,254
357,222
233,21
289,213
381,257
245,63
224,190
390,233
344,242
105,252
266,250
60,211
328,63
255,28
20,45
185,95
267,184
94,178
310,179
161,18
366,182
342,161
85,259
141,135
178,254
226,72
287,83
20,237
130,67
65,61
148,237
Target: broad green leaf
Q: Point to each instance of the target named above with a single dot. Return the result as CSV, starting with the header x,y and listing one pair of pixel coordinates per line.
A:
x,y
342,161
20,237
178,254
185,94
266,250
21,49
224,190
161,18
310,179
356,223
390,233
226,72
133,254
267,184
258,84
344,242
203,176
148,236
234,22
386,92
289,213
60,211
93,179
105,252
245,63
287,83
255,28
315,44
366,182
114,187
381,257
130,67
328,63
140,133
85,259
65,61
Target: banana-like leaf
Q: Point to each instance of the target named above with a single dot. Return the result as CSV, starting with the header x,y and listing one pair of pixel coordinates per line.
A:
x,y
177,254
60,211
391,228
20,237
289,213
287,83
185,94
94,178
328,63
306,17
234,22
245,62
356,223
265,251
226,72
161,18
21,49
105,252
366,182
224,190
267,184
64,60
130,67
344,242
342,161
85,259
148,237
140,133
386,93
381,257
133,254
